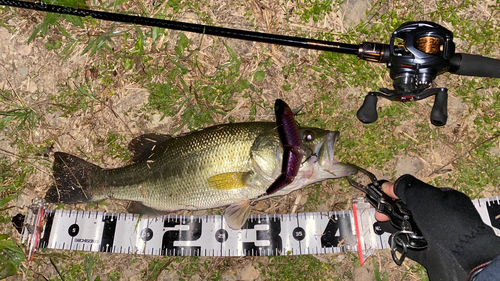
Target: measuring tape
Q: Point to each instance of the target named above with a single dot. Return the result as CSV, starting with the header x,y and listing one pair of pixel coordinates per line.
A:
x,y
184,235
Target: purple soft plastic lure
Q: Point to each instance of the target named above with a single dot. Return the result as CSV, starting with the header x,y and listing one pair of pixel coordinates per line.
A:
x,y
290,138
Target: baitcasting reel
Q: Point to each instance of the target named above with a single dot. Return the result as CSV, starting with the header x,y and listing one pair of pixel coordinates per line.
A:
x,y
418,52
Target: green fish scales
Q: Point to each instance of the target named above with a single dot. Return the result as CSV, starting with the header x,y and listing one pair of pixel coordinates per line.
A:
x,y
176,174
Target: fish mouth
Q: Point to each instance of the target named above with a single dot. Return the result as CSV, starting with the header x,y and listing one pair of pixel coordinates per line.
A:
x,y
327,149
327,162
331,141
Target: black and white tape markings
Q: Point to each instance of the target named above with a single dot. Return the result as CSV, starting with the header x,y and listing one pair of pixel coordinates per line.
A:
x,y
262,235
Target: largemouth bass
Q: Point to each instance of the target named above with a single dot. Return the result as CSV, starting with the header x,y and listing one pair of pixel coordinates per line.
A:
x,y
231,164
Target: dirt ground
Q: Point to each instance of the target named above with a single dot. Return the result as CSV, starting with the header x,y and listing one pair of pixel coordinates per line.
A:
x,y
36,74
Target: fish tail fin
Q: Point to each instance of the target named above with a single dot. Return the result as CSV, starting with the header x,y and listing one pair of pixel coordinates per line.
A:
x,y
237,214
73,178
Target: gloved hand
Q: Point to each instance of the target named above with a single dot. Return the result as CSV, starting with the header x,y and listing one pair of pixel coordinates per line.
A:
x,y
458,240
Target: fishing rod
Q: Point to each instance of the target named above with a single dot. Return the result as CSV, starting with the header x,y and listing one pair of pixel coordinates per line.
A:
x,y
418,52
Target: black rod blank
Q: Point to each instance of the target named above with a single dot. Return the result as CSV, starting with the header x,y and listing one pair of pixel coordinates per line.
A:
x,y
191,27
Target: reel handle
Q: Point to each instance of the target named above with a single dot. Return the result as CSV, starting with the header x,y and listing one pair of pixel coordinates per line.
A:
x,y
367,113
439,112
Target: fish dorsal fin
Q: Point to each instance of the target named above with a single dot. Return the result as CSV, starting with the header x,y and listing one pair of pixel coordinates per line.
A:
x,y
228,181
143,145
237,214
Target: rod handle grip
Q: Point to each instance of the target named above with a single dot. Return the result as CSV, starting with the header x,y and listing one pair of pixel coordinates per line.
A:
x,y
475,65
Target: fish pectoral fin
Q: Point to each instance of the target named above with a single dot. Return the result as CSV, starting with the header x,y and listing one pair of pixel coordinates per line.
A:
x,y
142,147
237,214
228,181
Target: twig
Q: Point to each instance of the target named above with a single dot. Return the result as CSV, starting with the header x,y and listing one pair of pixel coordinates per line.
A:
x,y
212,267
107,106
6,152
162,268
57,270
465,153
39,274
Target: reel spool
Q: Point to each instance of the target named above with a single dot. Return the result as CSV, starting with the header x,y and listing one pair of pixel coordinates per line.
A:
x,y
418,53
429,45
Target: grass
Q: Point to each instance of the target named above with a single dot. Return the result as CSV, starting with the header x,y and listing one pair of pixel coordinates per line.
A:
x,y
11,256
81,266
12,180
193,81
378,276
16,120
290,267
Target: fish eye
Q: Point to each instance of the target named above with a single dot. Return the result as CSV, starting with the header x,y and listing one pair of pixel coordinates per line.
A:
x,y
308,136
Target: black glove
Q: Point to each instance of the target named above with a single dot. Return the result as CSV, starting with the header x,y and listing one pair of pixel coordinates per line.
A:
x,y
458,240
